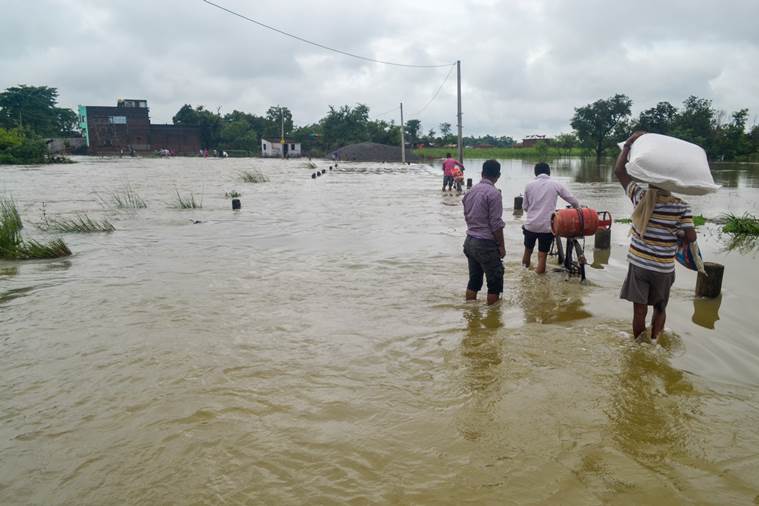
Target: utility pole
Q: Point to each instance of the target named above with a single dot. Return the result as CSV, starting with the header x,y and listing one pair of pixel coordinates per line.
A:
x,y
403,138
282,135
460,144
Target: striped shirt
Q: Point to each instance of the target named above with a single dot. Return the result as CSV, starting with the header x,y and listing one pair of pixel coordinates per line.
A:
x,y
656,250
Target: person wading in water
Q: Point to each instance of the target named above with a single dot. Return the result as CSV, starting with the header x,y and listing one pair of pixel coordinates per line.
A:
x,y
540,197
484,247
658,222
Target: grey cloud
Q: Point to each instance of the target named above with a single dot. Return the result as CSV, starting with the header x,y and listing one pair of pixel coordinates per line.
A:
x,y
526,63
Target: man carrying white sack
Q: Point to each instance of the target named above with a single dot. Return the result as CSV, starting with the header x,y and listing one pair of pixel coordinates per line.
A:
x,y
658,222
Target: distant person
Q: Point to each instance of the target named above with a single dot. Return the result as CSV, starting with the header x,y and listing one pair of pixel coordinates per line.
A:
x,y
658,222
448,165
484,247
540,197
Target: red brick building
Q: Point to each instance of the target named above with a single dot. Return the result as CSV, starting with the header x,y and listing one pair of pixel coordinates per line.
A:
x,y
126,127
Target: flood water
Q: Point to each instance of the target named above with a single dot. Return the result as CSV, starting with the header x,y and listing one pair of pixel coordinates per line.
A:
x,y
314,348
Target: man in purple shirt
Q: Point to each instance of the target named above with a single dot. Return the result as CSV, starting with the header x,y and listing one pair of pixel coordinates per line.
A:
x,y
484,247
540,197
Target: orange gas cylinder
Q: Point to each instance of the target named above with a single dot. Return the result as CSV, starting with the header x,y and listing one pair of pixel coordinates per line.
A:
x,y
578,222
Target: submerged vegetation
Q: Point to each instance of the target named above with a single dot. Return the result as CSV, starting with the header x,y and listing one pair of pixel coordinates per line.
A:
x,y
745,225
253,176
79,224
234,194
12,245
127,198
187,202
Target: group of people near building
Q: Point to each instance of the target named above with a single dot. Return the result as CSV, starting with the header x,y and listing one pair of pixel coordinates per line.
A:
x,y
661,223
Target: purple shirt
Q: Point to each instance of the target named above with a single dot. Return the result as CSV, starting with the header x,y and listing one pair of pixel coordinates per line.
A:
x,y
483,208
540,197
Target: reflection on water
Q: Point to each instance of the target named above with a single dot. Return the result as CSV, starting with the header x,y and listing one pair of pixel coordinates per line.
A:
x,y
706,311
9,271
743,244
481,347
548,298
736,175
650,407
600,258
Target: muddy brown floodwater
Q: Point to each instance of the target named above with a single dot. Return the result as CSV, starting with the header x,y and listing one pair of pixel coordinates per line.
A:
x,y
314,348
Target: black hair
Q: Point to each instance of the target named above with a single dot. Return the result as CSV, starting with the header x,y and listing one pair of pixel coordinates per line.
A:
x,y
542,168
447,155
491,168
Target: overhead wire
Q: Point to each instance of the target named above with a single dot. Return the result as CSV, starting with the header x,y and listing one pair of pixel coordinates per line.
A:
x,y
328,48
437,92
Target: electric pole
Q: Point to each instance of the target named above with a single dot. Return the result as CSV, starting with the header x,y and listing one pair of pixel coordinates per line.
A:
x,y
460,144
403,138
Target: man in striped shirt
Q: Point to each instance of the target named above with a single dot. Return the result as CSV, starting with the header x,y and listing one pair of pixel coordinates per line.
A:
x,y
659,222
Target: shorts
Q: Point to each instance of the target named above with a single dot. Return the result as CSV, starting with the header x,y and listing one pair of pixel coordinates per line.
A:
x,y
643,286
484,259
544,239
447,180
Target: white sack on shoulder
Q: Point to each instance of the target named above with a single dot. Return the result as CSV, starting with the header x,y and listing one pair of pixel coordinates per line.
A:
x,y
672,164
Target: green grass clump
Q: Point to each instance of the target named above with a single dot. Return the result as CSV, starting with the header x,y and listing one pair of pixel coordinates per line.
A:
x,y
12,245
623,220
234,194
79,224
741,225
127,198
253,176
187,202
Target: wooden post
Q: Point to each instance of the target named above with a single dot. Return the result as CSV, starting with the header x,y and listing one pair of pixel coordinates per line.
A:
x,y
711,284
602,239
518,202
236,204
468,183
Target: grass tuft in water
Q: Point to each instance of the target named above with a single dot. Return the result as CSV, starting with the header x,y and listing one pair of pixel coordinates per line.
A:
x,y
127,198
187,202
233,194
79,224
13,247
253,176
746,225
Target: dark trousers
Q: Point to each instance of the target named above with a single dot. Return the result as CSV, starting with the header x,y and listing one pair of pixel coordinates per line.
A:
x,y
484,259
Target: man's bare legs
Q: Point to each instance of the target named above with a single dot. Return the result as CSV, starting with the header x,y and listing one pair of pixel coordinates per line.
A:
x,y
639,319
527,257
542,257
657,322
493,298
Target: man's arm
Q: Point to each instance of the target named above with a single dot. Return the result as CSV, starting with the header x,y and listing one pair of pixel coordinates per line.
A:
x,y
567,195
619,167
495,208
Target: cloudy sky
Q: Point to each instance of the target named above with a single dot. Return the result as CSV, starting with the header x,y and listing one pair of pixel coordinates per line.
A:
x,y
525,63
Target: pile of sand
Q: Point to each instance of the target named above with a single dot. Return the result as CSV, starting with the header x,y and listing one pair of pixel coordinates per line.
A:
x,y
371,152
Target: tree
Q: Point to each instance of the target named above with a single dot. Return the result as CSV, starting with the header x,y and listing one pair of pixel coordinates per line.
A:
x,y
383,132
274,119
446,137
595,122
345,125
210,124
34,108
659,119
413,128
696,123
566,142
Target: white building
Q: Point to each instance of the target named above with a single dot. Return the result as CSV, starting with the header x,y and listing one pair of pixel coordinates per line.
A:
x,y
269,148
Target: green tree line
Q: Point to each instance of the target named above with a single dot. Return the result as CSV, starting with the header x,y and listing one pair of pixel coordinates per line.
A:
x,y
600,125
29,114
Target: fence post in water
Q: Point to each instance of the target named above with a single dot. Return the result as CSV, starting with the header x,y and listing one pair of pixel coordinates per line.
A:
x,y
236,204
602,239
711,284
518,202
468,183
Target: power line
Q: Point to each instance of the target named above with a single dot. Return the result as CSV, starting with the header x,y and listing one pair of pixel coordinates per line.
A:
x,y
386,112
436,92
296,37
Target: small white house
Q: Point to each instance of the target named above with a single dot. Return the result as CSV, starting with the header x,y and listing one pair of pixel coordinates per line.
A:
x,y
290,148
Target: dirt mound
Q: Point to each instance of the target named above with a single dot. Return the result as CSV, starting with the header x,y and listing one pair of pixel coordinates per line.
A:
x,y
372,152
